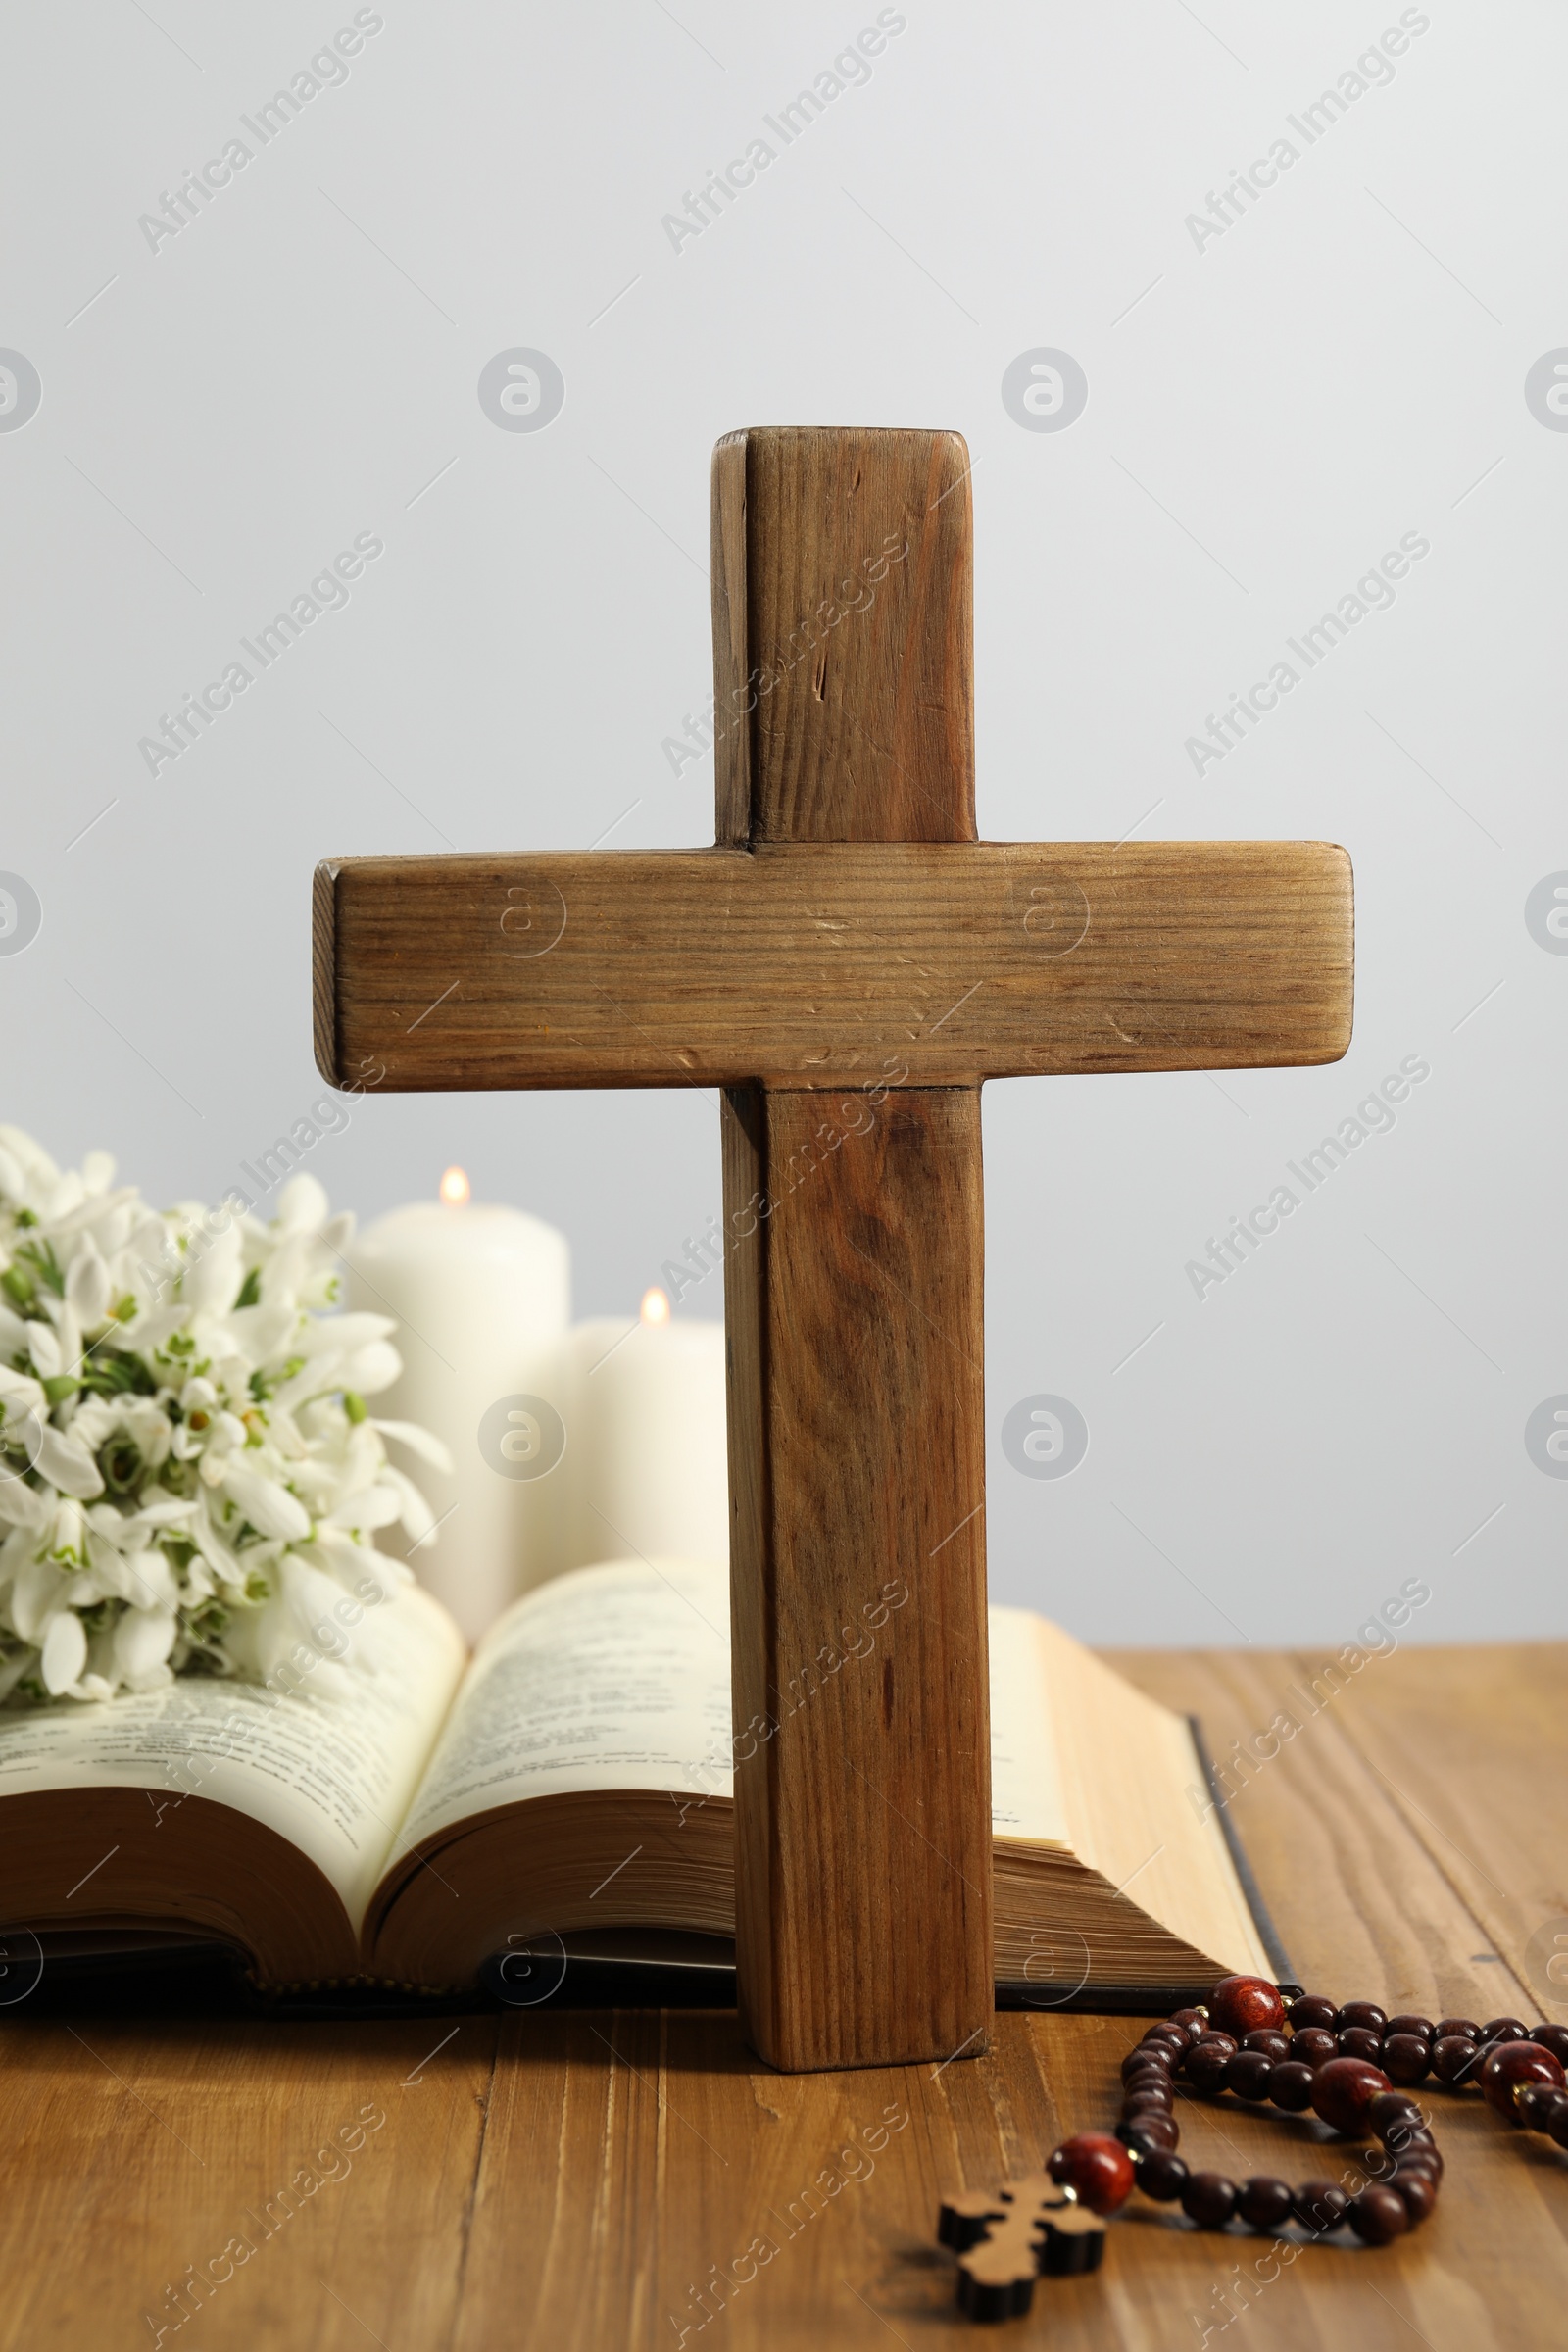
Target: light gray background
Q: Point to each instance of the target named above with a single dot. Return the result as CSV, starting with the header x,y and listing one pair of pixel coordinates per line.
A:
x,y
1344,364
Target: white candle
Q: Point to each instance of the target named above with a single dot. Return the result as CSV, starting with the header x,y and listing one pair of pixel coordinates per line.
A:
x,y
646,1459
482,1296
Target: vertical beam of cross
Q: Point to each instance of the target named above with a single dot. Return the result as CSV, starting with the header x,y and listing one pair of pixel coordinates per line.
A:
x,y
842,622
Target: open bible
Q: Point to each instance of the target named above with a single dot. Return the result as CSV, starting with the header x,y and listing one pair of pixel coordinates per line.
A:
x,y
413,1824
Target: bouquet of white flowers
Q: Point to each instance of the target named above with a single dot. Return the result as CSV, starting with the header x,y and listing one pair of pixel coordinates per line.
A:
x,y
189,1476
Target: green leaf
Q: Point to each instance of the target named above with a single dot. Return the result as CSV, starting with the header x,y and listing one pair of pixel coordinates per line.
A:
x,y
354,1405
250,1290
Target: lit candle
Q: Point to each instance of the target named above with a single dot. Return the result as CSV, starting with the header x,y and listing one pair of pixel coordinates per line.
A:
x,y
481,1293
647,1463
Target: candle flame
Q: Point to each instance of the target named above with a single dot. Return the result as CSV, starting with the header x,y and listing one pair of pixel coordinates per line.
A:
x,y
655,1306
454,1188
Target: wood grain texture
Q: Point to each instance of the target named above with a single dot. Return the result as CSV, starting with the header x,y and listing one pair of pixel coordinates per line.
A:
x,y
857,1441
574,2180
826,964
862,1880
843,670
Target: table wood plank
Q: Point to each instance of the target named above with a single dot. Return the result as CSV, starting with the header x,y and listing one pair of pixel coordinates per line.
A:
x,y
575,2180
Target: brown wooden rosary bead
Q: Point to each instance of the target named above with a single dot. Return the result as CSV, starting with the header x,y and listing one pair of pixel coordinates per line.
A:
x,y
1505,2029
1209,2199
1314,2046
1419,2190
1205,2066
1466,2027
1344,2090
1538,2103
1239,2005
1211,2039
1161,2174
1395,2116
1507,2071
1264,2204
1290,2086
1312,2011
1143,2061
1453,2058
1192,2022
1377,2213
1359,2013
1407,2058
1359,2041
1148,2092
1408,2023
1155,2078
1144,2134
1553,2038
1271,2043
1247,2073
1319,2205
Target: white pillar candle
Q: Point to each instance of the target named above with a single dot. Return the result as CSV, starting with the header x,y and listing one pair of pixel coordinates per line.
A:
x,y
646,1458
482,1296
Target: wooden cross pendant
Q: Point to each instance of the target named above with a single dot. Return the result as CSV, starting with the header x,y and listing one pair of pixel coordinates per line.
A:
x,y
847,964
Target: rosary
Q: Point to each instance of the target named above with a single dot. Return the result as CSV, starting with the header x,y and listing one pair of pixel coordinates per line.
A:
x,y
1351,2065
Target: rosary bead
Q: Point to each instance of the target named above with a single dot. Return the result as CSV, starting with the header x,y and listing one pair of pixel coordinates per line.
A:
x,y
1453,2058
1464,2026
1239,2005
1344,2090
1161,2174
1096,2167
1247,2074
1209,2199
1205,2068
1271,2043
1538,2103
1407,2022
1143,2074
1359,2041
1419,2190
1319,2205
1377,2213
1553,2038
1213,2040
1505,2029
1168,2041
1314,2045
1421,2156
1558,2129
1148,2130
1407,2058
1394,2114
1290,2086
1264,2204
1311,2010
1191,2021
1149,2090
1511,2065
1360,2012
1143,2060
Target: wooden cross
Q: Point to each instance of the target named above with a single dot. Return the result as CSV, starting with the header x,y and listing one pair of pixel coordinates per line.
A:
x,y
847,964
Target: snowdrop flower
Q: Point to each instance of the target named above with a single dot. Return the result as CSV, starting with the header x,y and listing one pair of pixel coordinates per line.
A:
x,y
189,1478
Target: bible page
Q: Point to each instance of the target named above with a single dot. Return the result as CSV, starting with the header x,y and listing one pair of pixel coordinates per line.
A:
x,y
330,1767
1027,1801
611,1677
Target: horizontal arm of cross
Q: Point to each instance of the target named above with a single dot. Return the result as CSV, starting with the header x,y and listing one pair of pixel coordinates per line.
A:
x,y
831,964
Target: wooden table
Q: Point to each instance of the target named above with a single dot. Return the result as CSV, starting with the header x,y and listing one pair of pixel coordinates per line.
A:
x,y
566,2180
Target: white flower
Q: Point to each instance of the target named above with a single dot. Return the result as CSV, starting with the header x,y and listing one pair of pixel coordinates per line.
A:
x,y
188,1477
65,1652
